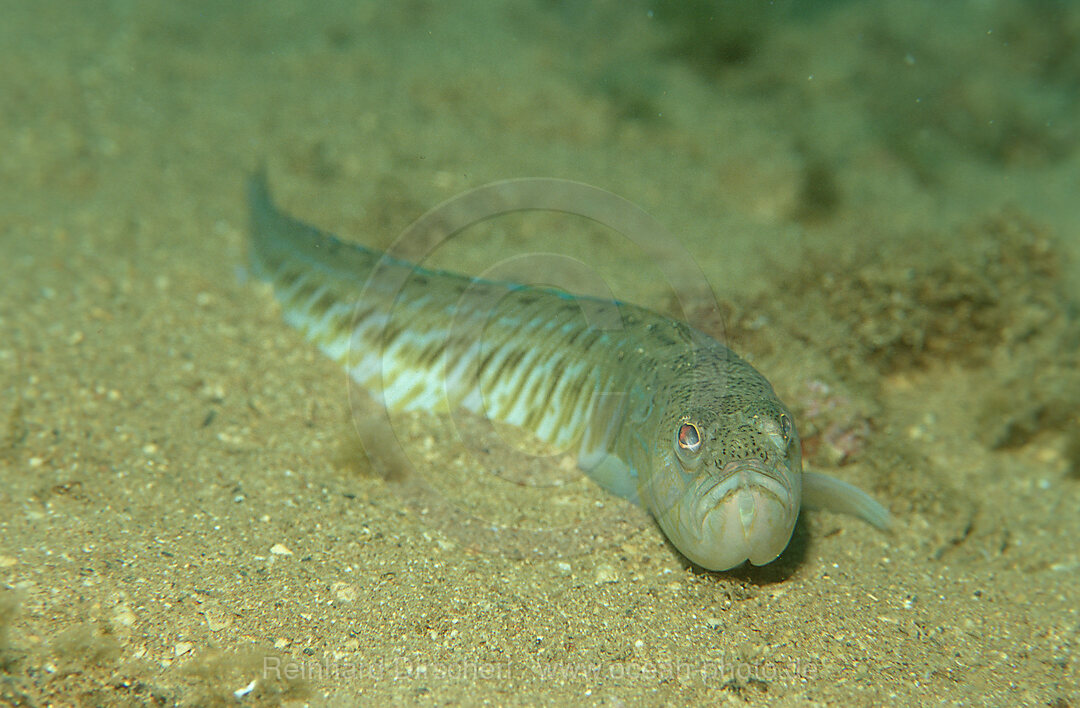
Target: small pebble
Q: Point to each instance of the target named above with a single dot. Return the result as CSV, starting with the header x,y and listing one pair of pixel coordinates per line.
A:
x,y
124,617
606,574
344,592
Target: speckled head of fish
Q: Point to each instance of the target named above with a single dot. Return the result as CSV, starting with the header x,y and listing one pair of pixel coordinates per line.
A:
x,y
725,478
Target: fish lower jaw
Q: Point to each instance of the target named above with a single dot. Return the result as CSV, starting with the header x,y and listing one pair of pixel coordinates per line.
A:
x,y
741,520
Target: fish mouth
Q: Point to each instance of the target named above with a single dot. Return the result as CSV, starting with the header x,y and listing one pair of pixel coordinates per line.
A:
x,y
750,506
746,476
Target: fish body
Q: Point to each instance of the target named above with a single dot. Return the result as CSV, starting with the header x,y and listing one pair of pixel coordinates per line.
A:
x,y
657,411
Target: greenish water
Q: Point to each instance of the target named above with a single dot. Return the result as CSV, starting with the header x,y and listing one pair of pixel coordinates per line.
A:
x,y
882,196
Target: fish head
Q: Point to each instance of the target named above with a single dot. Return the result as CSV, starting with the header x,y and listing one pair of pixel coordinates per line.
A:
x,y
726,481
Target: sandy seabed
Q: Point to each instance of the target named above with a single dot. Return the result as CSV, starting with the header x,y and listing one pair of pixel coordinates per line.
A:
x,y
882,195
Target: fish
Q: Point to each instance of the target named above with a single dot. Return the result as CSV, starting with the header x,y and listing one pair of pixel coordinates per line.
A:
x,y
658,412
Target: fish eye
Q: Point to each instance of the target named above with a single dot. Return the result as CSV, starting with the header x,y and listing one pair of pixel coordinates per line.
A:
x,y
688,438
786,427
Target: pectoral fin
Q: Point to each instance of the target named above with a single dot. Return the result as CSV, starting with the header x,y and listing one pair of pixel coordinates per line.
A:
x,y
612,474
821,491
